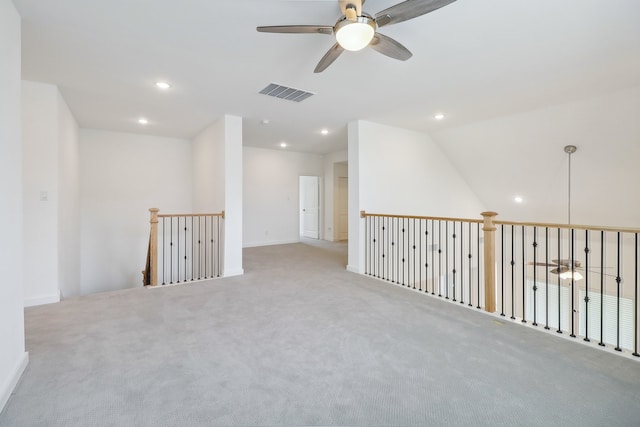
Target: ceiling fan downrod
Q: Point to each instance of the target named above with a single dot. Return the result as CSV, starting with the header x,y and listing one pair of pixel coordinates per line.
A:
x,y
569,149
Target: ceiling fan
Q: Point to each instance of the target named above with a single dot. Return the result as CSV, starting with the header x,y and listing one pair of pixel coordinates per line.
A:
x,y
566,268
356,29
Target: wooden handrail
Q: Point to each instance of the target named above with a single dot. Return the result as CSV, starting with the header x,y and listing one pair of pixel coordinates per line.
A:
x,y
220,214
364,214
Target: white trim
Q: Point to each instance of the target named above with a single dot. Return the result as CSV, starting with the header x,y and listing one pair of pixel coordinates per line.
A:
x,y
232,273
41,300
353,269
281,242
7,389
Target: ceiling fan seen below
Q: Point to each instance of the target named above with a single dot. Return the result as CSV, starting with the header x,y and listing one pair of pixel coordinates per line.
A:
x,y
356,29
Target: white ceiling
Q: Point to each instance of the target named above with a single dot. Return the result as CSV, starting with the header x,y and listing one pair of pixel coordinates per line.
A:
x,y
473,60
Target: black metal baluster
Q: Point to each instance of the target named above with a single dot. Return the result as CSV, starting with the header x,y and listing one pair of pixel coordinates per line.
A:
x,y
439,257
618,281
461,263
446,258
413,267
601,343
419,265
213,254
367,236
546,277
185,249
206,257
199,247
192,250
384,252
386,234
573,281
513,274
433,258
501,271
402,244
470,268
535,276
559,305
376,249
219,222
524,280
426,255
635,306
478,261
392,258
454,261
586,285
171,251
178,248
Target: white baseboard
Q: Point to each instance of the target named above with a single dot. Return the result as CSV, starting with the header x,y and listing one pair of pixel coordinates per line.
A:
x,y
353,269
10,385
270,243
232,273
41,300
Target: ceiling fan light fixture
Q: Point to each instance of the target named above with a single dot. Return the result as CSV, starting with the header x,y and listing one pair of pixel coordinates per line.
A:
x,y
568,275
355,35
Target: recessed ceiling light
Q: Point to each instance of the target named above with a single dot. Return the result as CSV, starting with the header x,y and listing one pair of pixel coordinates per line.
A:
x,y
265,121
518,199
163,85
325,131
283,144
439,116
143,121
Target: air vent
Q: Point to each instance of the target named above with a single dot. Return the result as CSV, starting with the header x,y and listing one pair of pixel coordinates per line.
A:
x,y
284,92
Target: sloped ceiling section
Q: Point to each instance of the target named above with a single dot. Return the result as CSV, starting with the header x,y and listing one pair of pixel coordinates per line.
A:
x,y
523,155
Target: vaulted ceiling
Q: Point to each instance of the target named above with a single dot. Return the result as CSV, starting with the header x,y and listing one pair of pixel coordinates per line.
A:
x,y
472,61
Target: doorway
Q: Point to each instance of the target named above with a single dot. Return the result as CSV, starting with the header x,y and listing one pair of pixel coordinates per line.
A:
x,y
310,206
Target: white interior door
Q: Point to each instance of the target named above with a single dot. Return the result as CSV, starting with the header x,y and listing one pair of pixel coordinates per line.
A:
x,y
310,206
342,201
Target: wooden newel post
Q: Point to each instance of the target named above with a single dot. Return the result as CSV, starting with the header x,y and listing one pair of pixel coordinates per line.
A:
x,y
489,262
153,247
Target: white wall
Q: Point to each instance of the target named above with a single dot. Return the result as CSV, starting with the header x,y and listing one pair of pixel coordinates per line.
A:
x,y
398,171
523,154
209,169
233,199
217,183
271,193
50,195
40,192
13,358
69,257
122,175
330,161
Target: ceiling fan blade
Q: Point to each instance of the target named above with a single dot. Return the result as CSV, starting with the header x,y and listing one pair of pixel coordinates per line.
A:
x,y
388,46
566,262
329,57
542,264
297,29
408,9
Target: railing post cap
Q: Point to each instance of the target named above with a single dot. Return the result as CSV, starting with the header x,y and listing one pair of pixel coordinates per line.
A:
x,y
489,213
363,214
154,210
